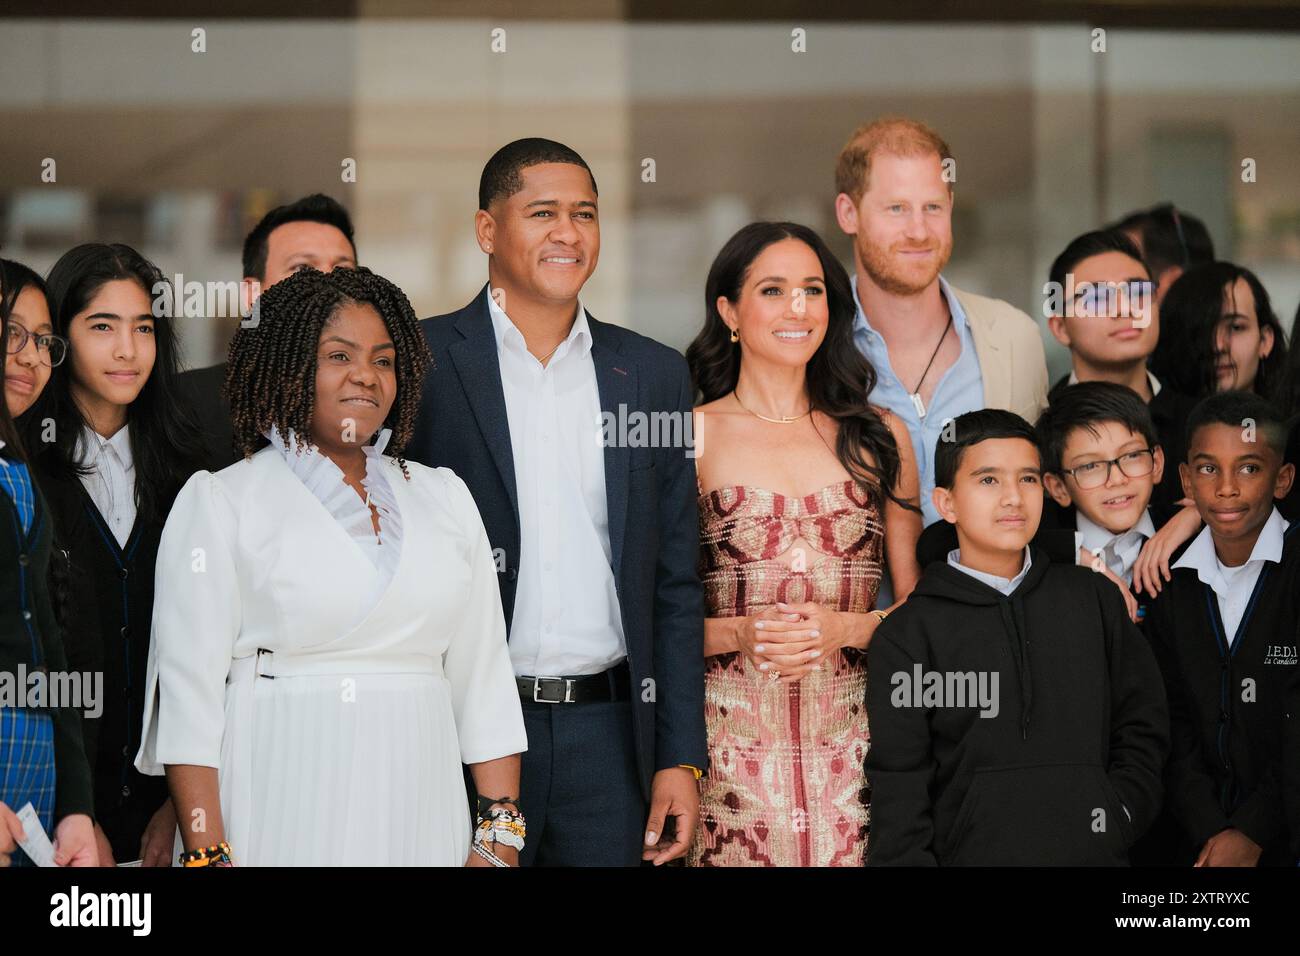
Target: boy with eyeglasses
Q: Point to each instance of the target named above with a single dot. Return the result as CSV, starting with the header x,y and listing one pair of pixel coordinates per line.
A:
x,y
1102,461
1103,309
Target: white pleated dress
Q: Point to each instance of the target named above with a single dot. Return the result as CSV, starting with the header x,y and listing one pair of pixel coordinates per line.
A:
x,y
336,682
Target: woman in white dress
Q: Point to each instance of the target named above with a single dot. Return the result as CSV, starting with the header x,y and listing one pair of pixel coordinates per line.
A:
x,y
328,641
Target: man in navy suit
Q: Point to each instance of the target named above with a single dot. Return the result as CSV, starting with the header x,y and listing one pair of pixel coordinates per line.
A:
x,y
594,525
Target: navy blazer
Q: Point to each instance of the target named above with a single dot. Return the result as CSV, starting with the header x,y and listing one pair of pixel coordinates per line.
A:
x,y
651,495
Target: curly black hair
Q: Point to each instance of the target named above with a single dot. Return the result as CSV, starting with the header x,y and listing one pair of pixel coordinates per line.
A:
x,y
271,369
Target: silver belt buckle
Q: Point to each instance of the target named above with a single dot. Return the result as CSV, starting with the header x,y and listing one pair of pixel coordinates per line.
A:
x,y
568,690
257,664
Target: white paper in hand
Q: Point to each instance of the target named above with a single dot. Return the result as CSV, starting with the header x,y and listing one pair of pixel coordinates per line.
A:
x,y
36,844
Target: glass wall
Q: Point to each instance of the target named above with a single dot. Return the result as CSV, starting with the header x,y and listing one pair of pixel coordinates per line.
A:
x,y
126,130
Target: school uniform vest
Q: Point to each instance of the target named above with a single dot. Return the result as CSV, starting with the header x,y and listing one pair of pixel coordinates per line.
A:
x,y
1228,701
112,598
29,637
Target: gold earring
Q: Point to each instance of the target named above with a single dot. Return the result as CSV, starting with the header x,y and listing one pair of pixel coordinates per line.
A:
x,y
735,336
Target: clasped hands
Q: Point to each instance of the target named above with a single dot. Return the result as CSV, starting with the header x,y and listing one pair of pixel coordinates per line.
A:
x,y
792,639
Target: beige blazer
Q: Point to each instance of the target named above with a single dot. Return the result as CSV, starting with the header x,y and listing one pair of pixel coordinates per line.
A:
x,y
1009,347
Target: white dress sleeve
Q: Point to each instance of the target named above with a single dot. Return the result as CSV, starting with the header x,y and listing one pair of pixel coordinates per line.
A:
x,y
196,619
484,699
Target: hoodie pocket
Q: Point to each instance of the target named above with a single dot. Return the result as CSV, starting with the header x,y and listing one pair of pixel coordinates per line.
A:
x,y
1041,815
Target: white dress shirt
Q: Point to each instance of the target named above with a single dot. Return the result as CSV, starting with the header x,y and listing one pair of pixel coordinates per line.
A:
x,y
1233,586
1119,551
111,483
566,616
1151,380
1005,585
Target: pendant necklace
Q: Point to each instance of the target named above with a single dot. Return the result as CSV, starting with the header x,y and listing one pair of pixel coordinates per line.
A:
x,y
915,395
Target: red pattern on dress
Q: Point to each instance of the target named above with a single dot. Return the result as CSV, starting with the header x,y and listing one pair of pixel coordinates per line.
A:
x,y
786,784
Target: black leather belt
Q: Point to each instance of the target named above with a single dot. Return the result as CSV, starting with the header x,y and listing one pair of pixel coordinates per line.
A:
x,y
613,684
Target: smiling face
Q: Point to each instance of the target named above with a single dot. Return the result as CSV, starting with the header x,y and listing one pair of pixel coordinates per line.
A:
x,y
26,371
1114,321
1234,482
112,349
996,500
1240,344
356,379
781,313
545,239
902,226
1117,504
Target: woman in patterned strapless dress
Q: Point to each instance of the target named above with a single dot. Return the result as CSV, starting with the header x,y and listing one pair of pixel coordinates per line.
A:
x,y
806,491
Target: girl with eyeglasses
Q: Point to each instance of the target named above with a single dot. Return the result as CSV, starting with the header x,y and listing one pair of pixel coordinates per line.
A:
x,y
42,757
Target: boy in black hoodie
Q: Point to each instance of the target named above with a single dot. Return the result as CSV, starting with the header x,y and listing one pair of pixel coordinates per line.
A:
x,y
1060,763
1225,632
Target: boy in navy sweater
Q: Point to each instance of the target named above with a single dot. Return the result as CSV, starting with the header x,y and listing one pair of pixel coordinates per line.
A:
x,y
1225,632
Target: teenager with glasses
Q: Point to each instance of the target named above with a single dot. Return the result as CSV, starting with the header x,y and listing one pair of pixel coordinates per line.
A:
x,y
42,757
1105,312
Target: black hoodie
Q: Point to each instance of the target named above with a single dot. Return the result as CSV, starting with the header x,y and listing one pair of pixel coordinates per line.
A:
x,y
1068,770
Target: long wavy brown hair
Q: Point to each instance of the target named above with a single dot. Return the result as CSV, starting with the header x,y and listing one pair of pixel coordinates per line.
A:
x,y
839,378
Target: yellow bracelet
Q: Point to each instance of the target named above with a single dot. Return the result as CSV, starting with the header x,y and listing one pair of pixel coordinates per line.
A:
x,y
695,770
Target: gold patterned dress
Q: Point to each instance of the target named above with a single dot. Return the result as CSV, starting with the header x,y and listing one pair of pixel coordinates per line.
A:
x,y
786,784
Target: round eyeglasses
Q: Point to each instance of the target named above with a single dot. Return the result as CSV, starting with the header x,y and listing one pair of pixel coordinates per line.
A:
x,y
1094,474
50,349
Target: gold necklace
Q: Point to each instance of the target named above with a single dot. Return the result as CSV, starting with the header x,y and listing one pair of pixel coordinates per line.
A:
x,y
774,421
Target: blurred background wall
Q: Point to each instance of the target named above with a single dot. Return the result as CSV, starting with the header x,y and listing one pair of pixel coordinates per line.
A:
x,y
179,152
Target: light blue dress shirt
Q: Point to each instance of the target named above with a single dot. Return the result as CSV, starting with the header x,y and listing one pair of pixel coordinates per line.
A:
x,y
960,389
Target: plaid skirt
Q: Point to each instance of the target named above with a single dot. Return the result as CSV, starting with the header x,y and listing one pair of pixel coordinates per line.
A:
x,y
27,766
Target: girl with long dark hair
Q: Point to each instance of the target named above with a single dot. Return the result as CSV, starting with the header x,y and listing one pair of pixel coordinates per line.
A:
x,y
1218,332
807,492
42,757
111,446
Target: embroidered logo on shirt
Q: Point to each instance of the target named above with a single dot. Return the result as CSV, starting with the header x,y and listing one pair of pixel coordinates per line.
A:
x,y
1284,654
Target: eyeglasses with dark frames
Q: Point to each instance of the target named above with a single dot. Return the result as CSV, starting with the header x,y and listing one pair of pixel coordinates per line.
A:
x,y
1094,474
50,349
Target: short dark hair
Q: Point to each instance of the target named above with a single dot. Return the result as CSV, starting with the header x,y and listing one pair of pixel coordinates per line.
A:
x,y
1235,408
971,429
1091,244
1170,237
314,208
501,177
1087,405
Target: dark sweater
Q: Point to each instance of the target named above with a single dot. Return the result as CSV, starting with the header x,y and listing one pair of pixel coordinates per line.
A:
x,y
29,636
1225,768
112,604
1080,734
201,389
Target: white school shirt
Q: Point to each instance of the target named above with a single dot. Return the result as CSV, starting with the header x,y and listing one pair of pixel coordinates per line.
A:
x,y
566,616
1119,551
1233,586
1005,585
111,483
1151,380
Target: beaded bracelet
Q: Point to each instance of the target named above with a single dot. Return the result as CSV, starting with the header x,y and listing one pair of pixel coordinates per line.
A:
x,y
216,855
488,855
